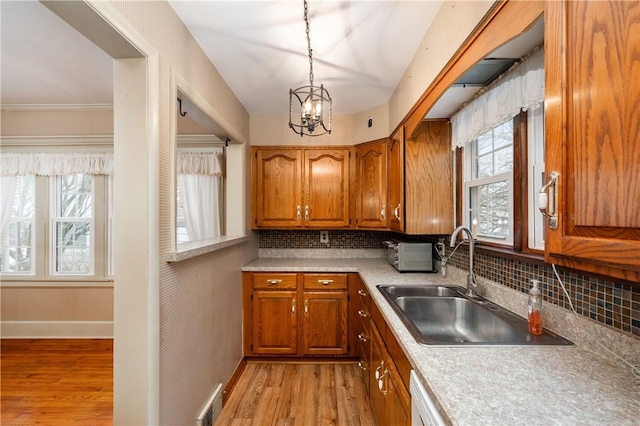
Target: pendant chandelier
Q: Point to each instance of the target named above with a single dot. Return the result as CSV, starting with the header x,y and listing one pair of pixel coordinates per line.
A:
x,y
314,102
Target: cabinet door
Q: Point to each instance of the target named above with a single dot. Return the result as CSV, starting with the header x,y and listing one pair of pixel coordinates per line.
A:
x,y
376,370
277,188
326,191
274,322
429,180
325,323
371,160
397,400
396,181
591,134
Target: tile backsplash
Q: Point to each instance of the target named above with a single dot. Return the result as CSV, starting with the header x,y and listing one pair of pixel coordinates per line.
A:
x,y
616,304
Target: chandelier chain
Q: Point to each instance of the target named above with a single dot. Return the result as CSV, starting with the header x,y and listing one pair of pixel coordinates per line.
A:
x,y
306,20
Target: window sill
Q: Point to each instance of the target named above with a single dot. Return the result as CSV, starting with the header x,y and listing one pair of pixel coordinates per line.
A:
x,y
39,282
531,257
196,248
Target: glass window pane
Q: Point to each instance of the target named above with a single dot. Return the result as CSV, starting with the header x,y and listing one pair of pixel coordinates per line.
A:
x,y
75,196
484,166
491,205
73,247
503,135
503,160
484,143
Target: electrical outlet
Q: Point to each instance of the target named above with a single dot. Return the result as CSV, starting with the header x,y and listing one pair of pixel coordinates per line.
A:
x,y
324,237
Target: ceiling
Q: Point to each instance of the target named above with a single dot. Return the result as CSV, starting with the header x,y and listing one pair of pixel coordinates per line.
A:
x,y
360,49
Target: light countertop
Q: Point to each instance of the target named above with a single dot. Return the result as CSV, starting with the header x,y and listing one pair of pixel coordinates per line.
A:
x,y
505,385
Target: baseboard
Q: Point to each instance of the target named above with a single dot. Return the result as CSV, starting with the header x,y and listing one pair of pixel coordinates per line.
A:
x,y
56,329
233,380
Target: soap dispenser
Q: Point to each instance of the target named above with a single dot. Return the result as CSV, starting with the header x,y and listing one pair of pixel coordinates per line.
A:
x,y
535,309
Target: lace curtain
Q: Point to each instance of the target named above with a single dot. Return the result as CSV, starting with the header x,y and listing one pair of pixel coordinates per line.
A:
x,y
55,164
520,88
199,183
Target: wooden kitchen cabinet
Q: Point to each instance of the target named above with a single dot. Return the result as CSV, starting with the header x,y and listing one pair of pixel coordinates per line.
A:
x,y
421,180
371,199
390,400
396,181
591,135
325,323
296,314
361,329
295,187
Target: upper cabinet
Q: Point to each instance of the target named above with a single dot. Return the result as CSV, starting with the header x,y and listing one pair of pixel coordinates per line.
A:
x,y
421,180
591,131
300,187
371,188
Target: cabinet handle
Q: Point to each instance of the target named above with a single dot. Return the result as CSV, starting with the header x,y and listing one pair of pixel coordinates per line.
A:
x,y
325,282
382,383
273,281
298,213
306,307
548,200
362,337
377,373
293,307
306,213
396,212
362,365
362,313
383,212
362,293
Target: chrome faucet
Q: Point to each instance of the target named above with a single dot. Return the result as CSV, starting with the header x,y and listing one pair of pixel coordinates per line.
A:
x,y
473,288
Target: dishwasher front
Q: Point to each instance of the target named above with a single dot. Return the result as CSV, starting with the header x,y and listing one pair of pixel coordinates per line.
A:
x,y
423,410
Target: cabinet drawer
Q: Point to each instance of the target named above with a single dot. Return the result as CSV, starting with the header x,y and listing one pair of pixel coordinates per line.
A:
x,y
277,281
325,281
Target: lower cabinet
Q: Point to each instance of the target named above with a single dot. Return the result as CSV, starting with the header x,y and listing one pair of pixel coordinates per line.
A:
x,y
295,314
383,364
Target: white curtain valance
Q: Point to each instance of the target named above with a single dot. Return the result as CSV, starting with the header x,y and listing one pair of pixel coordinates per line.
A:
x,y
520,88
200,163
48,164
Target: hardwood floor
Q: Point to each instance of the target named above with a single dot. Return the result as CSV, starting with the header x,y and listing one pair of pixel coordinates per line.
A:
x,y
56,382
298,394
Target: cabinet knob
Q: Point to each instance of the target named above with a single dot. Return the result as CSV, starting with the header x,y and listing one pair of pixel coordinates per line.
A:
x,y
273,281
362,293
362,313
362,365
362,337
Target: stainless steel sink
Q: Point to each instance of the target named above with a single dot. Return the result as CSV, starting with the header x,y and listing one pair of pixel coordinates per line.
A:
x,y
444,316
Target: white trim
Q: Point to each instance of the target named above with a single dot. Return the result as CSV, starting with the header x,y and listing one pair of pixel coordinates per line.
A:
x,y
55,141
55,107
56,329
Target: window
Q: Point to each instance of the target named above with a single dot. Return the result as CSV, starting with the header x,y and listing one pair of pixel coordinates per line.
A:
x,y
18,239
72,225
489,184
536,176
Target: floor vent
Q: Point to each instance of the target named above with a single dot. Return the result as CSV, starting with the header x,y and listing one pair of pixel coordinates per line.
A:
x,y
211,409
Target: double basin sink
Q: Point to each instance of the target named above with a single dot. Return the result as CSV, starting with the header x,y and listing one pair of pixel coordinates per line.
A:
x,y
446,316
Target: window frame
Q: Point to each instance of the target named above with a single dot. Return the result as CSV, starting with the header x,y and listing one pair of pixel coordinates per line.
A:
x,y
470,181
43,234
55,218
522,194
32,221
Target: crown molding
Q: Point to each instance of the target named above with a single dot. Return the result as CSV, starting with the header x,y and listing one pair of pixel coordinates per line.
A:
x,y
55,107
50,141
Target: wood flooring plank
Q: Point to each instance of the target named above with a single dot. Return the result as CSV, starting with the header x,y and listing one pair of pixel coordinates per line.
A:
x,y
56,382
298,394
